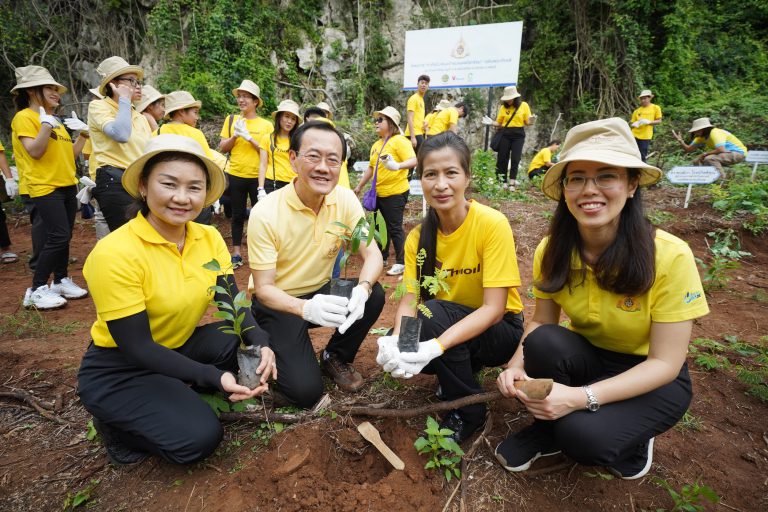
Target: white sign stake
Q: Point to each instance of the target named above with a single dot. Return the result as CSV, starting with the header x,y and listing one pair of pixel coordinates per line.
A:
x,y
700,175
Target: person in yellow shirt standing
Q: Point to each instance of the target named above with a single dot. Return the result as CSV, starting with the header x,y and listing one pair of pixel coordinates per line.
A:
x,y
644,118
543,160
415,113
721,147
275,169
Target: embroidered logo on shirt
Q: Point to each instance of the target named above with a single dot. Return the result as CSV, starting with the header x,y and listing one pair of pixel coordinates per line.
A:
x,y
628,304
691,296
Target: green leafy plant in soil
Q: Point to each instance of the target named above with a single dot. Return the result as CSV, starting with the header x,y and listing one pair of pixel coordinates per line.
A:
x,y
433,284
690,497
444,453
29,323
725,253
233,311
749,361
368,228
81,497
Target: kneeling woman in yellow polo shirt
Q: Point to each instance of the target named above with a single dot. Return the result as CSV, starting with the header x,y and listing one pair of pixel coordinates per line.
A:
x,y
275,169
151,291
478,320
631,292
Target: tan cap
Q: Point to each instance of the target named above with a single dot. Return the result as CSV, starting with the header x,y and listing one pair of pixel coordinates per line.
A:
x,y
172,143
250,87
149,95
178,100
392,113
608,141
510,93
111,68
442,105
325,108
645,92
288,106
33,76
700,124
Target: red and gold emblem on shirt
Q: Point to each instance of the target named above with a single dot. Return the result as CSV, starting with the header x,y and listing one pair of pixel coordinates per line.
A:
x,y
628,304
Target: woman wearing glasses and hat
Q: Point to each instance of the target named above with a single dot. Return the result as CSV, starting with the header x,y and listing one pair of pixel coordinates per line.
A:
x,y
391,157
631,292
150,291
45,156
275,169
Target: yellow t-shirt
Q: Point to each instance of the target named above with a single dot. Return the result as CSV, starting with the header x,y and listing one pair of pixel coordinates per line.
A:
x,y
652,113
390,183
277,157
194,134
719,137
244,159
521,116
55,169
430,121
88,151
287,236
443,120
540,160
416,105
480,254
623,324
135,269
108,151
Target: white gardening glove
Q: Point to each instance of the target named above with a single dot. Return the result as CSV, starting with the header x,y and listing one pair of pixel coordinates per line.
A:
x,y
325,310
48,119
391,164
356,307
532,118
643,122
388,353
75,124
241,130
487,121
217,208
11,187
84,196
635,124
414,362
261,194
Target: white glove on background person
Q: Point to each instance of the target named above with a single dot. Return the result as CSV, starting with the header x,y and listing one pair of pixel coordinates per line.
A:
x,y
11,187
414,362
261,194
532,118
392,164
84,196
356,307
388,353
48,119
643,122
487,121
635,124
241,130
75,124
325,310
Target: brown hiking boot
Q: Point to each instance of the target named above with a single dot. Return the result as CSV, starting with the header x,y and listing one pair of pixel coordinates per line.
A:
x,y
343,374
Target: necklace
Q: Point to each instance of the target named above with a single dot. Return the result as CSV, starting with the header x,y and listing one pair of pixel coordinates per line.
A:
x,y
180,245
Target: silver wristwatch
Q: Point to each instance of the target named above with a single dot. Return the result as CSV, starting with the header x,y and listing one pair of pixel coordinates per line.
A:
x,y
592,403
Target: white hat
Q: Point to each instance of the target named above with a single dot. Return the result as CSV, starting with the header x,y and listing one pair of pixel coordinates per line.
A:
x,y
325,108
111,68
391,113
645,92
510,93
95,92
442,105
178,100
149,95
33,76
250,87
700,124
288,106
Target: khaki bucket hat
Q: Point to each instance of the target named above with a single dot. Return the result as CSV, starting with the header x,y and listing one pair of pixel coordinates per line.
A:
x,y
95,92
700,124
33,76
510,93
391,113
608,141
111,68
178,100
250,87
325,108
288,106
442,105
168,143
645,92
149,95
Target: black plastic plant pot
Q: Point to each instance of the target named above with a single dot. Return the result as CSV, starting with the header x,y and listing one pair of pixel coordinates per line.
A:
x,y
410,333
249,359
342,287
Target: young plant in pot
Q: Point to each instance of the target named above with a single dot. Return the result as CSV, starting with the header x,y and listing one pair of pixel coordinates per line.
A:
x,y
351,238
232,311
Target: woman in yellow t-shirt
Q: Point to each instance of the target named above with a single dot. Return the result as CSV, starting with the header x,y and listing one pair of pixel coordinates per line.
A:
x,y
275,169
514,115
151,291
630,291
46,156
391,158
476,320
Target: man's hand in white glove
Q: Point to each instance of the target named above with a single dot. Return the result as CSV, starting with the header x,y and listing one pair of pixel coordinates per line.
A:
x,y
241,130
643,122
414,362
75,124
388,353
356,307
325,310
487,121
391,164
11,187
48,119
261,194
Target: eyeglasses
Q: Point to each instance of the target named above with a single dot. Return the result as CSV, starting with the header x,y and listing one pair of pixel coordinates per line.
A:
x,y
378,120
132,81
606,180
331,161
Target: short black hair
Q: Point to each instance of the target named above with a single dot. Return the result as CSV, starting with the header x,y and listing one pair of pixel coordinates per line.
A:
x,y
423,77
314,111
554,141
316,125
463,105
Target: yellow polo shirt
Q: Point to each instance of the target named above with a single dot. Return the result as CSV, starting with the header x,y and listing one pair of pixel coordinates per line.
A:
x,y
540,160
108,151
652,113
621,323
416,105
391,183
444,119
55,169
194,134
429,119
244,159
480,254
135,269
278,163
286,235
344,176
521,116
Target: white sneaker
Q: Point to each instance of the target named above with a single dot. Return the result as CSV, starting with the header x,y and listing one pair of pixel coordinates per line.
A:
x,y
396,269
68,289
43,298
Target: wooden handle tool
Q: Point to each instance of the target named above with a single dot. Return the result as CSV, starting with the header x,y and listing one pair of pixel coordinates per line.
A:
x,y
537,388
371,435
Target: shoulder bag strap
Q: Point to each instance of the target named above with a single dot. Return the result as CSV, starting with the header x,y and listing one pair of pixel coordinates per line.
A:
x,y
378,159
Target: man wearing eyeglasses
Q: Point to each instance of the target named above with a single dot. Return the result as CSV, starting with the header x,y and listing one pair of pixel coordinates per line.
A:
x,y
293,240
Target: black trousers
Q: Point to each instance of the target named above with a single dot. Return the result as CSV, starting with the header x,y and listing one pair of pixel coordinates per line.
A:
x,y
206,216
612,433
112,198
37,233
392,208
510,152
455,369
57,211
541,171
272,185
643,145
298,372
152,412
5,237
240,189
415,171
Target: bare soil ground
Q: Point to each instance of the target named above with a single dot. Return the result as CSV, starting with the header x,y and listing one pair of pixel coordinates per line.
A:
x,y
323,464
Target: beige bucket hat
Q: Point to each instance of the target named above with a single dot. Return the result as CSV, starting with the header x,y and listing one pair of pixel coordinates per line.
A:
x,y
391,113
645,92
325,108
111,68
700,124
149,95
250,87
178,100
169,142
607,141
95,92
442,105
33,76
510,93
288,106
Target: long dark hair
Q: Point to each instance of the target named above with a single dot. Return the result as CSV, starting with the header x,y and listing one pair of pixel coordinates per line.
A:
x,y
22,97
431,223
626,267
278,127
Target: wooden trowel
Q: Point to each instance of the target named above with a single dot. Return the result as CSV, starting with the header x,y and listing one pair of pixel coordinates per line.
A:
x,y
371,435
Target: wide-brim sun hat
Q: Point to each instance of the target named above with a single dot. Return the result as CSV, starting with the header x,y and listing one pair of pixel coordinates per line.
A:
x,y
113,67
325,108
34,76
172,143
95,92
607,141
178,100
288,106
510,93
249,87
645,92
700,124
392,114
149,95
